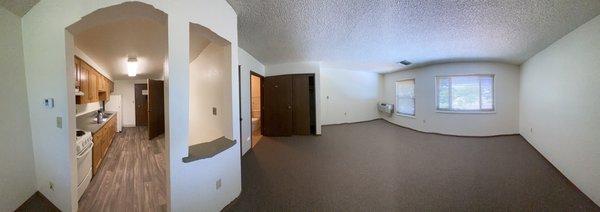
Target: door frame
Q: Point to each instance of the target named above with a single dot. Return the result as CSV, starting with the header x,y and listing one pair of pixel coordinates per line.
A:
x,y
262,81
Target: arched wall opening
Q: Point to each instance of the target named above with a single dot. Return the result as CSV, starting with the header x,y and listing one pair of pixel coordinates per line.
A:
x,y
210,90
190,186
122,159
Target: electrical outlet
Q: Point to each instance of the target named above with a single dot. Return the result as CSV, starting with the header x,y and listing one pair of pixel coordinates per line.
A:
x,y
51,184
218,183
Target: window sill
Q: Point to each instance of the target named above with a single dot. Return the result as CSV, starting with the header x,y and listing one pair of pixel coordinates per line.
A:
x,y
406,116
208,149
465,112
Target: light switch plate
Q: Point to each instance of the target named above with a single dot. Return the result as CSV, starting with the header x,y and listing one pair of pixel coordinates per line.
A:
x,y
59,122
214,111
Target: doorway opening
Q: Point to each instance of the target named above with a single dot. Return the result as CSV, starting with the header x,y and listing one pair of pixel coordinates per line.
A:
x,y
255,107
119,55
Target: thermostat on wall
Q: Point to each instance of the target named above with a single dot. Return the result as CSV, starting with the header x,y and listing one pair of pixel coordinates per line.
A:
x,y
49,103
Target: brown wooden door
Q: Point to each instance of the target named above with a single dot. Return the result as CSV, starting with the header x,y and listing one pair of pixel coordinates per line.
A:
x,y
301,105
156,110
141,105
277,106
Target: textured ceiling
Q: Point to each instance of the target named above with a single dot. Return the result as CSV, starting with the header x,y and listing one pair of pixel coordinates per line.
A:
x,y
18,7
374,35
111,35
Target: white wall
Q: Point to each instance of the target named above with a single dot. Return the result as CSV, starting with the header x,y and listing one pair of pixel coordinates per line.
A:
x,y
126,88
503,121
209,75
192,185
349,96
248,63
559,106
302,68
17,178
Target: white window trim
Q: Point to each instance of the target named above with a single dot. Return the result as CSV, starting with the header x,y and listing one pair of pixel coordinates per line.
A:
x,y
490,111
396,112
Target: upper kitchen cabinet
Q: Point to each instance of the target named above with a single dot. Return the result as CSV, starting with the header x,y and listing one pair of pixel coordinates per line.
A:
x,y
92,85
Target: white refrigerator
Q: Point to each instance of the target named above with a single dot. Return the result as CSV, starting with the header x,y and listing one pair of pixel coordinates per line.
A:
x,y
115,105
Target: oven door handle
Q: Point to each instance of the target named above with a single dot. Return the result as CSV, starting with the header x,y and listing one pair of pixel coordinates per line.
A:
x,y
87,150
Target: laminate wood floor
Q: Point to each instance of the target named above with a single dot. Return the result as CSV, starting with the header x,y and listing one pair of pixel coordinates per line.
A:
x,y
132,177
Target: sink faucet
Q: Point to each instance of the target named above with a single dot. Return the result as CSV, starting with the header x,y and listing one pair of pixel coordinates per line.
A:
x,y
99,117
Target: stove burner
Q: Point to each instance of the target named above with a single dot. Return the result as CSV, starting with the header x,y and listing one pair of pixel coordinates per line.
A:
x,y
80,133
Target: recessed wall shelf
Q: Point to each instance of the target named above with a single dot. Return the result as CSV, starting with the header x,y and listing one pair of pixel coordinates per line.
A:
x,y
208,149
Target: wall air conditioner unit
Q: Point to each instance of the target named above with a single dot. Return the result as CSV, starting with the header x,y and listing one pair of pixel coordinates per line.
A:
x,y
386,108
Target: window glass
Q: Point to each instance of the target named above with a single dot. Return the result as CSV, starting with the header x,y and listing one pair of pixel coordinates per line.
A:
x,y
405,97
465,93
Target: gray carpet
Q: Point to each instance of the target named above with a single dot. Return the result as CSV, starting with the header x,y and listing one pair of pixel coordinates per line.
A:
x,y
377,166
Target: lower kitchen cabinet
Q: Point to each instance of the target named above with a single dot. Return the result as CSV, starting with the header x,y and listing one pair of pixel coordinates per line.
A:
x,y
102,139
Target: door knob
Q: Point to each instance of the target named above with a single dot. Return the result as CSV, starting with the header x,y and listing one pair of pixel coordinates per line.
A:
x,y
289,107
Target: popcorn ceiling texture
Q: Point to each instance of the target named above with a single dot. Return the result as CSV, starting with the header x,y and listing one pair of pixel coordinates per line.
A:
x,y
378,33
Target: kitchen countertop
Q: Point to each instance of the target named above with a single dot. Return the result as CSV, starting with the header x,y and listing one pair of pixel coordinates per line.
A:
x,y
86,121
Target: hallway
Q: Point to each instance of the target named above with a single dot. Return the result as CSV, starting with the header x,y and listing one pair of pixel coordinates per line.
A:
x,y
132,177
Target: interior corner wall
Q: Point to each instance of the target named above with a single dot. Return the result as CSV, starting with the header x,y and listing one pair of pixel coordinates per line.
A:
x,y
17,178
192,185
126,88
506,91
302,68
46,49
208,78
559,106
349,96
248,63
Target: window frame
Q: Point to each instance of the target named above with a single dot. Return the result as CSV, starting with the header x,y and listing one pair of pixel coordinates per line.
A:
x,y
450,110
414,98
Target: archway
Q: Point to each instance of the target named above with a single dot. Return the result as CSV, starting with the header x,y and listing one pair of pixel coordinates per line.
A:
x,y
116,50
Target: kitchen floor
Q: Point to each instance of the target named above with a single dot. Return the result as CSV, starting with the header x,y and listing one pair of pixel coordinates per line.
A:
x,y
132,177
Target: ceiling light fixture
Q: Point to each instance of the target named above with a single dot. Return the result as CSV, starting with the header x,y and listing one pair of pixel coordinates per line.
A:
x,y
132,66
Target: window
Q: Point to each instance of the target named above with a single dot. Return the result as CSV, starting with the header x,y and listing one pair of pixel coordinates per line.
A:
x,y
469,93
405,97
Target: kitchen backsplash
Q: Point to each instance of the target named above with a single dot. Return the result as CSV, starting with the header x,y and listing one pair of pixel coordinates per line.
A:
x,y
86,108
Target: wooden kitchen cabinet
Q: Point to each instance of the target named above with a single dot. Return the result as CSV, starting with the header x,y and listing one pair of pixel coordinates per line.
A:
x,y
102,139
94,85
83,82
77,73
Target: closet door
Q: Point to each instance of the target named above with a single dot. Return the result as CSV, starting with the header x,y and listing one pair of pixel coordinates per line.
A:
x,y
277,109
301,105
